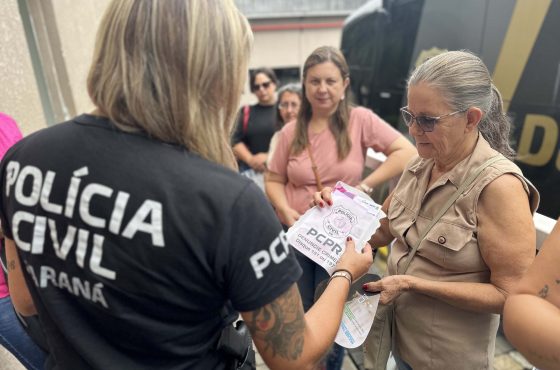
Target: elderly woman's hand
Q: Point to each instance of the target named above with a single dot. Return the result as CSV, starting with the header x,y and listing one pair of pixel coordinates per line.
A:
x,y
391,287
322,198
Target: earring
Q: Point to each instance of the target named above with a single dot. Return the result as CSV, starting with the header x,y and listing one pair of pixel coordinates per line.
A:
x,y
342,97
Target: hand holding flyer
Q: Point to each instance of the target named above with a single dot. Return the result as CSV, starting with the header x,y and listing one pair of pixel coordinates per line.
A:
x,y
320,234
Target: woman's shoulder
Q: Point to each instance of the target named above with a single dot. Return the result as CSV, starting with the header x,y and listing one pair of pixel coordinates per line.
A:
x,y
358,112
289,129
364,116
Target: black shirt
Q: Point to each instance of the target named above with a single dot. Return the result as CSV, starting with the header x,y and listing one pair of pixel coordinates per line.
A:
x,y
133,246
259,130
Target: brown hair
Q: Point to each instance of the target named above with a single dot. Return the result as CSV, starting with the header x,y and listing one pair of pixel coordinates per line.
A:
x,y
265,71
339,120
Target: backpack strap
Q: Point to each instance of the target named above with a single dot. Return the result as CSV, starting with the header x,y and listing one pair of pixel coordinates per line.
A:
x,y
246,111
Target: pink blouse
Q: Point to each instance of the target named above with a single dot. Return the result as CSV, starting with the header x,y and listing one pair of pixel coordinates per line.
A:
x,y
366,130
9,135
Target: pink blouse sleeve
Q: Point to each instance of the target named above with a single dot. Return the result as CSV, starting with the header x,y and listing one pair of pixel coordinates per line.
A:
x,y
375,132
279,160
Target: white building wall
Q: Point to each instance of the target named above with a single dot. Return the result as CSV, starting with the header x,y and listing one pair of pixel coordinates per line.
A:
x,y
19,95
77,23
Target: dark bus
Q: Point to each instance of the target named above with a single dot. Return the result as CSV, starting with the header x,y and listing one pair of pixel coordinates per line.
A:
x,y
517,39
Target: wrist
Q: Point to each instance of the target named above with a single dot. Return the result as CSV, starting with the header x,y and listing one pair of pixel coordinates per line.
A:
x,y
365,188
408,283
342,273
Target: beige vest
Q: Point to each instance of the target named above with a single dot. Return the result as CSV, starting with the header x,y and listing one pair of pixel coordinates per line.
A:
x,y
431,334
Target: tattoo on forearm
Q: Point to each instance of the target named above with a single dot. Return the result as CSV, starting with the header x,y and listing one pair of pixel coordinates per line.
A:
x,y
11,265
280,325
544,291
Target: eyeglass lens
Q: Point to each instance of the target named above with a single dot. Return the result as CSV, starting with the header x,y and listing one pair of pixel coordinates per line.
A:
x,y
425,123
266,85
287,105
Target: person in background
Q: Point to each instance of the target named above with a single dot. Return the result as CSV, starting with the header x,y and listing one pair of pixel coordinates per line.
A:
x,y
447,306
532,311
138,236
12,335
328,143
288,105
256,123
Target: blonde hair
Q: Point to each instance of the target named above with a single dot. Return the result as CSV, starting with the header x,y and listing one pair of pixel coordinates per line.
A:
x,y
174,69
339,120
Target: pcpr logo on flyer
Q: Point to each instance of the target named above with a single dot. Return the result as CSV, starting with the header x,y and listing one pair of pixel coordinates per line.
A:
x,y
339,222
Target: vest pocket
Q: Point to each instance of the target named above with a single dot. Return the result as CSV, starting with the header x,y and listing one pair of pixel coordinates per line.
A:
x,y
449,236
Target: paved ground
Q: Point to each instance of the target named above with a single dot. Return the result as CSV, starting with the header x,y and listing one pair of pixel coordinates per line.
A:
x,y
8,362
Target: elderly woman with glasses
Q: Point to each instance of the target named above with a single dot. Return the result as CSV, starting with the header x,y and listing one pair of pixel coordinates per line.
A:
x,y
289,103
447,306
256,123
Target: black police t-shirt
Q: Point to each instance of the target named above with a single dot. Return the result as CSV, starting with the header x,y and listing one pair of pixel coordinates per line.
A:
x,y
133,246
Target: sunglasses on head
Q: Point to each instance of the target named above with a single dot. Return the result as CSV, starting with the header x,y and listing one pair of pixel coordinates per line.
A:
x,y
426,123
265,85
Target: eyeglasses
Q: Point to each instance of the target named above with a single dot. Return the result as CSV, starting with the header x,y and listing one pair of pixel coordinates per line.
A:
x,y
266,85
426,123
287,104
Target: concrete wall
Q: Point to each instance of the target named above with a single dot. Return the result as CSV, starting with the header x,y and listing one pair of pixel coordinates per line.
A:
x,y
19,95
73,24
77,22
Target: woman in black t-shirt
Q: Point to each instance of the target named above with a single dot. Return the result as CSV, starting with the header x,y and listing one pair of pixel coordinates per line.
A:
x,y
256,123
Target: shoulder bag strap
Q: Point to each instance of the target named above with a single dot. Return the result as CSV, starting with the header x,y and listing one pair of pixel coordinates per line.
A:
x,y
448,204
314,168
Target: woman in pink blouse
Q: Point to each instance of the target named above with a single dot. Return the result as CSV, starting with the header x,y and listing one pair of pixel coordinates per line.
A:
x,y
337,137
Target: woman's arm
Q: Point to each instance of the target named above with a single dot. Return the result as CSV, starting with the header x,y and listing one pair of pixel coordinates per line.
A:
x,y
287,338
532,313
275,186
532,325
19,292
506,237
398,154
543,276
255,161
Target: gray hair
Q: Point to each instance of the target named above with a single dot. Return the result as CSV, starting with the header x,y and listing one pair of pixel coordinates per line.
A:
x,y
293,88
465,82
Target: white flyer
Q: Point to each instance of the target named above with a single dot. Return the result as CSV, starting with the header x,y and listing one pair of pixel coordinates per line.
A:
x,y
357,319
320,234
